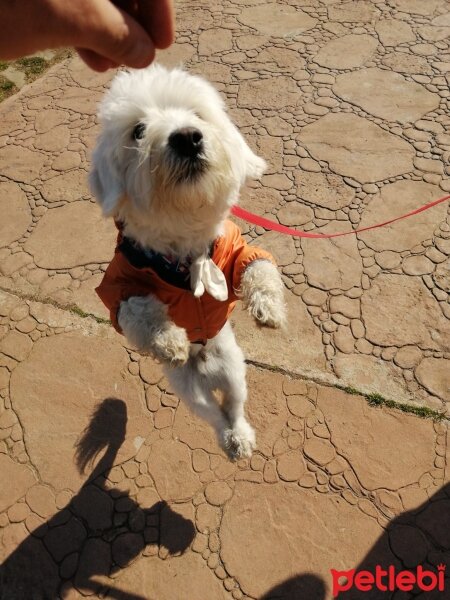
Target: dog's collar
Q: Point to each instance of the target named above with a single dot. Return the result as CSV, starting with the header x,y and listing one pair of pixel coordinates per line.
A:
x,y
170,269
196,274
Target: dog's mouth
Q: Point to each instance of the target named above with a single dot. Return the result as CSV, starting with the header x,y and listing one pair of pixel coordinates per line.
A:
x,y
189,170
186,154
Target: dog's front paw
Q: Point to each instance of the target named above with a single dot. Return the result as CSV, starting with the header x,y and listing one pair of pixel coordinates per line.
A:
x,y
268,309
240,441
262,292
171,346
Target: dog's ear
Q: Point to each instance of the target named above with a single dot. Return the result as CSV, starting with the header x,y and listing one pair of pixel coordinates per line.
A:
x,y
249,165
255,165
104,179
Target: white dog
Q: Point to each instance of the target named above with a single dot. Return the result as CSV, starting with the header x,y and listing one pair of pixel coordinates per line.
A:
x,y
168,166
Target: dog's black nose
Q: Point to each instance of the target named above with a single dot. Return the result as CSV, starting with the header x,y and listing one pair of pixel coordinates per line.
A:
x,y
186,142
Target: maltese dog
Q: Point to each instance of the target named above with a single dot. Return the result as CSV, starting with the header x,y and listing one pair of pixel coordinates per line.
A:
x,y
168,166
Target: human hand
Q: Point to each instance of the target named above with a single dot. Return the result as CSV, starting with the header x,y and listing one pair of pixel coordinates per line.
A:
x,y
106,34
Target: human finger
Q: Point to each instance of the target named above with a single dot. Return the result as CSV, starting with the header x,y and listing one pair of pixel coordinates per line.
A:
x,y
114,35
157,18
95,61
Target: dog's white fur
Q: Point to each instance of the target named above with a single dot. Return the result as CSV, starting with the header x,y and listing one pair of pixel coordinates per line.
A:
x,y
139,183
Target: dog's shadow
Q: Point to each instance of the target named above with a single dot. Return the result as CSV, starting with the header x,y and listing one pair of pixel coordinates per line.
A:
x,y
98,533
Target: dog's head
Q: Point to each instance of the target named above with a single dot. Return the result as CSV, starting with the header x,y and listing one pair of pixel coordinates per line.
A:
x,y
168,152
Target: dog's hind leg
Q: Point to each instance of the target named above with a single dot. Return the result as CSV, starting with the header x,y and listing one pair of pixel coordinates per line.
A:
x,y
219,365
229,376
194,389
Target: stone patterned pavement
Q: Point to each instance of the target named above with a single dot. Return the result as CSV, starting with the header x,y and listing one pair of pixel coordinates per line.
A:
x,y
112,489
348,102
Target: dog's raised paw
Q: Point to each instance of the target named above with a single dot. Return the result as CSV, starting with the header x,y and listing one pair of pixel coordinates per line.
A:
x,y
268,311
262,291
240,441
172,346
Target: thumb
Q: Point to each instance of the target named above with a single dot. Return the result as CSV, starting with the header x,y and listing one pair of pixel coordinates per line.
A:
x,y
113,34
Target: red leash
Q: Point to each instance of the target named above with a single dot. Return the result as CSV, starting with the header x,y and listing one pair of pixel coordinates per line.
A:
x,y
241,213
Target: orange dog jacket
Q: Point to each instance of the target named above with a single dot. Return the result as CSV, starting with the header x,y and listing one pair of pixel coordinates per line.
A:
x,y
134,272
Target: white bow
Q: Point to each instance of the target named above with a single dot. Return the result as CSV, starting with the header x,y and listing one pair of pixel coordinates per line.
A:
x,y
205,274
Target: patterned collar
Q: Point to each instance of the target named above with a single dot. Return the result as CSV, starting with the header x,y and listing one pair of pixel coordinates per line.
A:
x,y
169,268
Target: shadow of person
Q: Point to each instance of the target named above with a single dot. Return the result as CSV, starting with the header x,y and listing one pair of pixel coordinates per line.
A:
x,y
301,587
418,537
415,537
98,533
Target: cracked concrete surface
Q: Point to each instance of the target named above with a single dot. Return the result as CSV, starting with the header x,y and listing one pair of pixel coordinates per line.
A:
x,y
112,489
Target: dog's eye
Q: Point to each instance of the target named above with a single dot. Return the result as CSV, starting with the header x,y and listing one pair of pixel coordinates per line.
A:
x,y
138,131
